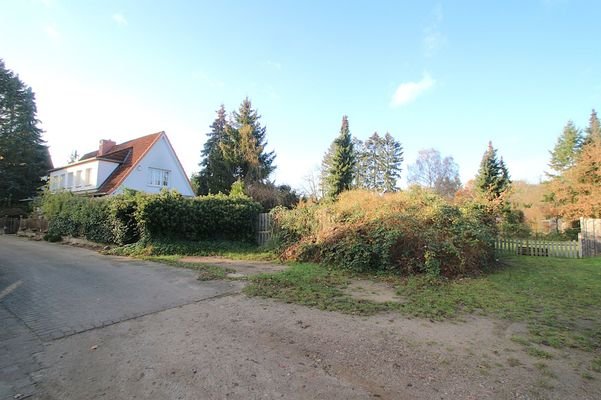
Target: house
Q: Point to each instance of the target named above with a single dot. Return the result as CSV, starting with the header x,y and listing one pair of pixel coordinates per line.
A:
x,y
147,164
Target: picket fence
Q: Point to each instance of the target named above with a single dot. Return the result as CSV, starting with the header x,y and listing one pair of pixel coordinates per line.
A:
x,y
540,248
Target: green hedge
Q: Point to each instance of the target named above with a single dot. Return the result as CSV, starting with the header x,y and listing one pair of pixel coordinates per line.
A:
x,y
133,217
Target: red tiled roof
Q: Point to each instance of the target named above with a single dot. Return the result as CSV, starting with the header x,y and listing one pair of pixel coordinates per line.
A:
x,y
128,154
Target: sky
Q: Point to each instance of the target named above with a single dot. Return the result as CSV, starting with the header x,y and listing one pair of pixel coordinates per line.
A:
x,y
446,75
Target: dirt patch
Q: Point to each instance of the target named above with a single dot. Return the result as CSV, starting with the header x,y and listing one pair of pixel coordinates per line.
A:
x,y
239,348
242,267
376,292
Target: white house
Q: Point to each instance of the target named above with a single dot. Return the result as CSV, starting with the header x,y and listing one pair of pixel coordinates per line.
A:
x,y
147,164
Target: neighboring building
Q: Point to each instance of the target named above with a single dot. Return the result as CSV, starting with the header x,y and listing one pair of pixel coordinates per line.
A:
x,y
147,164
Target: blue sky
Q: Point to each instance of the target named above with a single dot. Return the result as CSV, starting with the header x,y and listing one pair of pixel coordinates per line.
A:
x,y
448,75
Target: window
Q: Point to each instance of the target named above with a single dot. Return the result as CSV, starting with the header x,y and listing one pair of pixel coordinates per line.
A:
x,y
70,180
54,182
88,177
78,181
158,177
62,181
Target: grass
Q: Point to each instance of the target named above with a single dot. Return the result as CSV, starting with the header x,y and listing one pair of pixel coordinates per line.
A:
x,y
205,272
312,285
557,298
232,250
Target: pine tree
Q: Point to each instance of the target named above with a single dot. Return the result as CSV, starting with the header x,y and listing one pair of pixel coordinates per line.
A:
x,y
566,149
593,131
324,171
492,179
24,159
343,162
216,173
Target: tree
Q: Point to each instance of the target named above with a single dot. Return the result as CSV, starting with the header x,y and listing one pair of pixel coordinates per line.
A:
x,y
566,149
436,173
24,159
390,157
216,173
593,131
244,145
73,157
493,178
340,177
577,192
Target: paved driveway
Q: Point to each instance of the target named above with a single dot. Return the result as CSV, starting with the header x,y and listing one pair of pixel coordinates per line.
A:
x,y
49,291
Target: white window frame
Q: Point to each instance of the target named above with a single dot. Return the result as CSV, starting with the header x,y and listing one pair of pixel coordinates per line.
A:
x,y
158,177
88,177
78,181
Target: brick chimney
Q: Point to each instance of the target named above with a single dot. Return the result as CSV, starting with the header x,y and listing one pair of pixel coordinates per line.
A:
x,y
105,147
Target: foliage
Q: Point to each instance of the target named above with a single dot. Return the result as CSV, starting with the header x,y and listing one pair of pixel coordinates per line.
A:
x,y
436,173
133,217
270,196
169,247
24,159
492,180
378,163
409,232
340,174
593,130
70,215
577,192
234,150
566,149
216,175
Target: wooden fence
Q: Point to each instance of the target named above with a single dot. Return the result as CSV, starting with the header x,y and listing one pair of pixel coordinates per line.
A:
x,y
9,225
590,236
540,248
264,229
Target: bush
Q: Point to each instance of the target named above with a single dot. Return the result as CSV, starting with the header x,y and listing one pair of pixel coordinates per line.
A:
x,y
412,232
132,217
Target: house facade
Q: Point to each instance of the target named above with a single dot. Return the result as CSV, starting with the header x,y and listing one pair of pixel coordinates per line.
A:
x,y
147,164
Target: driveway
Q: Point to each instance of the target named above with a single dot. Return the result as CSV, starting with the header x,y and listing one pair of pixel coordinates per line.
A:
x,y
49,291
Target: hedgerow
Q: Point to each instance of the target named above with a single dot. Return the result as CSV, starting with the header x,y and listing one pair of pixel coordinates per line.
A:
x,y
136,217
409,232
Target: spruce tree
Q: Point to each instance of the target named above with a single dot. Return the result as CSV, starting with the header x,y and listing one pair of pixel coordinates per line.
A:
x,y
216,173
390,157
566,149
492,179
343,162
24,159
593,131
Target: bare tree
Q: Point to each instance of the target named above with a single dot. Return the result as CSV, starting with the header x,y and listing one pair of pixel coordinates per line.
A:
x,y
436,173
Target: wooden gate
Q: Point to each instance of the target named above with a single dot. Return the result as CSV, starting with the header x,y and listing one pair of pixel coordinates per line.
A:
x,y
263,228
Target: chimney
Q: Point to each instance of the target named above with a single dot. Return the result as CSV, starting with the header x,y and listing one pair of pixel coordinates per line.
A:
x,y
105,147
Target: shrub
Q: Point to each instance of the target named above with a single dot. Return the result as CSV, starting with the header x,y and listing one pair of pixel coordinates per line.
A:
x,y
411,232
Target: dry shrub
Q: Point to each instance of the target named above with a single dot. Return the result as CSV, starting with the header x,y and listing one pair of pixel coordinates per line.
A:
x,y
409,232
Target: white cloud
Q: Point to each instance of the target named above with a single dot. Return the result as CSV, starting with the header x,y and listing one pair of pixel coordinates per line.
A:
x,y
119,19
409,91
433,38
274,64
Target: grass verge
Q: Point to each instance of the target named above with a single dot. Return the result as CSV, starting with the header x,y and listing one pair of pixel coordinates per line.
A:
x,y
205,272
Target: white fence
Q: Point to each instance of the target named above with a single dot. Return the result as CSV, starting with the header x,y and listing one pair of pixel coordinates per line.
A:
x,y
540,248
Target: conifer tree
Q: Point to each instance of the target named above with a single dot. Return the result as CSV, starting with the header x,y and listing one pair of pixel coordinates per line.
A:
x,y
492,179
24,159
390,158
340,176
216,173
593,131
566,149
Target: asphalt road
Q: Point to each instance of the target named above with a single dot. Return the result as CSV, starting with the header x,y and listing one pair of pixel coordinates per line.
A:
x,y
49,291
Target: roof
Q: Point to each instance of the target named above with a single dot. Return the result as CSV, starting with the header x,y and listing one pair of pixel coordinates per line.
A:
x,y
128,154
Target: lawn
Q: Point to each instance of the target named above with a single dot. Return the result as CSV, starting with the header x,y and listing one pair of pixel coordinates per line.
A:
x,y
558,299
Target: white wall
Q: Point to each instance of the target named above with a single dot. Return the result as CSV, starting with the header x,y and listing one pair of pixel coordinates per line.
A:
x,y
160,156
99,171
